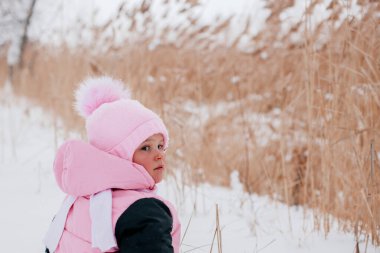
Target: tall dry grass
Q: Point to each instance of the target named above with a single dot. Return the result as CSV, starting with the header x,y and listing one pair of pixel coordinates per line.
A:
x,y
299,122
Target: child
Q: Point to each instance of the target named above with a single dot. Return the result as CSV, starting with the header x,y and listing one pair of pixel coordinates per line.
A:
x,y
111,204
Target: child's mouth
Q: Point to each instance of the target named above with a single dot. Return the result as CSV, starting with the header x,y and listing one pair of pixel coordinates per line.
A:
x,y
159,168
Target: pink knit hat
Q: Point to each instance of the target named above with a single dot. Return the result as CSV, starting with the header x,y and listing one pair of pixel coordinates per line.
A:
x,y
116,123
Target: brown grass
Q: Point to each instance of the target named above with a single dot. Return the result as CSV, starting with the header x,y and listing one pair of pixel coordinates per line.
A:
x,y
326,100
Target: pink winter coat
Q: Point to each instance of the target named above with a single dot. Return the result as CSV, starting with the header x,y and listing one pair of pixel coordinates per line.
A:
x,y
82,170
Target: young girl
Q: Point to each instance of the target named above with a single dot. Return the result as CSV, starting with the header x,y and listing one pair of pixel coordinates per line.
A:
x,y
111,204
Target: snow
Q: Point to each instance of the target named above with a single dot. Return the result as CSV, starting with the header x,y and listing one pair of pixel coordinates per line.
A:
x,y
72,22
14,53
249,223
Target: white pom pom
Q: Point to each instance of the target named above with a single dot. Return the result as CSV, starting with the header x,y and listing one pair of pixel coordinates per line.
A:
x,y
94,92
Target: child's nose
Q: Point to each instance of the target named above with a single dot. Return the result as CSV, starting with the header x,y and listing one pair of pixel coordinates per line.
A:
x,y
159,155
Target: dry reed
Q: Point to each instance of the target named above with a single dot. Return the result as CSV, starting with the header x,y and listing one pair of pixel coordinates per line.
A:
x,y
321,102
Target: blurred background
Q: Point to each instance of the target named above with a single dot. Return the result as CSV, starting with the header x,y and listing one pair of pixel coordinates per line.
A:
x,y
286,93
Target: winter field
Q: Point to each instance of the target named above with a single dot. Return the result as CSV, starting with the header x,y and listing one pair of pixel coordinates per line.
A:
x,y
273,110
248,223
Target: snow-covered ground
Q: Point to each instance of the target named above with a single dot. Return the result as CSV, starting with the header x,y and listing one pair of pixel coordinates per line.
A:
x,y
249,223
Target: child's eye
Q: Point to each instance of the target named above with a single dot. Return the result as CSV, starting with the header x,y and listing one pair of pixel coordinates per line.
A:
x,y
145,148
161,147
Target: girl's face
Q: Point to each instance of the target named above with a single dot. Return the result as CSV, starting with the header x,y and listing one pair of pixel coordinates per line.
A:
x,y
151,155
